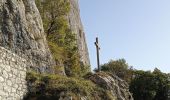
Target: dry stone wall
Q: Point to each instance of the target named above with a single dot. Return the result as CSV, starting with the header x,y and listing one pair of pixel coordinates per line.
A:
x,y
13,85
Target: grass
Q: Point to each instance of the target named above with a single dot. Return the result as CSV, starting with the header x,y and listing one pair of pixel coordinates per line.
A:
x,y
53,87
50,85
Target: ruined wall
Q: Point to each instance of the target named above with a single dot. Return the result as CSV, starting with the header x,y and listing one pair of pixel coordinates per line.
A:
x,y
77,27
12,76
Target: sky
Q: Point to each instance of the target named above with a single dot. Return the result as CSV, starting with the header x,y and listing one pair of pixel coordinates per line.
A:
x,y
136,30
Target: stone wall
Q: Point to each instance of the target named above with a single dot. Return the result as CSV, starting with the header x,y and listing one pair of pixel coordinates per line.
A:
x,y
13,85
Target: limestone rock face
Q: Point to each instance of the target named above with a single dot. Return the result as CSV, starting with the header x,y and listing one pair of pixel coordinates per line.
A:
x,y
113,87
21,31
117,87
77,27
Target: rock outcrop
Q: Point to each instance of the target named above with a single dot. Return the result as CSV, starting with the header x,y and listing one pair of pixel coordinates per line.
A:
x,y
108,87
21,31
117,88
98,86
77,27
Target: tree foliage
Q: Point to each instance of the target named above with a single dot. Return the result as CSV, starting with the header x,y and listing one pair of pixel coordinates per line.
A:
x,y
53,13
148,85
119,68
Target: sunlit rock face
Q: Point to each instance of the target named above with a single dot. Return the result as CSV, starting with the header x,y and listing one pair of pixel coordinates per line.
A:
x,y
21,31
113,87
77,27
118,88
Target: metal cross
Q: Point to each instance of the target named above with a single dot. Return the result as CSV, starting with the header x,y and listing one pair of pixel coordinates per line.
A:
x,y
97,50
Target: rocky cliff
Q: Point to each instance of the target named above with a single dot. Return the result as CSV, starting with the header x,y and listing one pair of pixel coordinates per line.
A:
x,y
21,31
77,27
117,88
23,46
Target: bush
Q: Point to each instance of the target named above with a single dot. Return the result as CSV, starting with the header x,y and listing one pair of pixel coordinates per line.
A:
x,y
148,85
51,86
119,68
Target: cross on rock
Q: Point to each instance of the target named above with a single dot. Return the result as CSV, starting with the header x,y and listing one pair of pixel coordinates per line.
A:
x,y
97,50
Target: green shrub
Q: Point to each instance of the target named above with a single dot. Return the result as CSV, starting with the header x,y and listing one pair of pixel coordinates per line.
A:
x,y
119,68
148,85
53,85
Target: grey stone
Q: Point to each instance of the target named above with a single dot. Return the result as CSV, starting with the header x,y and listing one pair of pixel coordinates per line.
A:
x,y
18,81
13,79
7,88
7,68
117,87
3,93
13,90
18,97
13,60
15,72
1,86
23,74
10,75
13,95
15,86
9,83
1,79
5,74
20,88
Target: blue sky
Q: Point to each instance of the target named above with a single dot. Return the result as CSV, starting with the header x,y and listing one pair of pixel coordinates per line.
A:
x,y
137,30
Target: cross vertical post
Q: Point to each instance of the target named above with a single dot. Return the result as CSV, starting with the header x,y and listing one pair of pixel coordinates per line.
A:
x,y
97,50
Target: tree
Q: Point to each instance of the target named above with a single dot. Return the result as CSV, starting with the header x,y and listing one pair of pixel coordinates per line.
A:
x,y
147,85
53,12
163,83
143,86
119,68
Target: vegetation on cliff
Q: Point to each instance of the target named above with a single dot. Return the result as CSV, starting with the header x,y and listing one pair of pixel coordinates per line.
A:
x,y
144,85
51,86
61,40
57,87
63,46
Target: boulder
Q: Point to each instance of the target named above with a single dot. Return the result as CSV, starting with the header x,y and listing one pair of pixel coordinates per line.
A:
x,y
117,87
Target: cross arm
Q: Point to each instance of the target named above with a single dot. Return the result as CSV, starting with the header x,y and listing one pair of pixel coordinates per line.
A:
x,y
97,45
